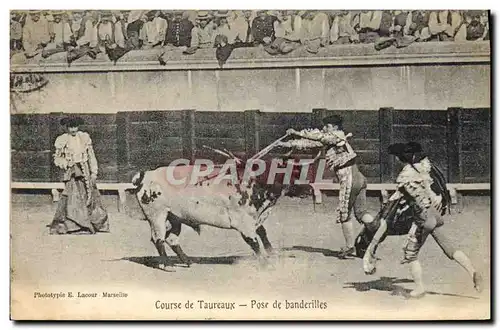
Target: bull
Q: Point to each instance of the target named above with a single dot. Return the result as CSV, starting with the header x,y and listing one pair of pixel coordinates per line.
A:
x,y
243,205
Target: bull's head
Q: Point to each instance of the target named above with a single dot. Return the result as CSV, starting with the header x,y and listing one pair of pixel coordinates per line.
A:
x,y
287,183
145,194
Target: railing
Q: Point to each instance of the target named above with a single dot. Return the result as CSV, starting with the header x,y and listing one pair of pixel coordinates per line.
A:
x,y
252,58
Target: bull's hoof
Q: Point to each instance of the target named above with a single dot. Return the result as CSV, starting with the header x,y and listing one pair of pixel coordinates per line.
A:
x,y
271,252
185,264
371,272
478,282
416,294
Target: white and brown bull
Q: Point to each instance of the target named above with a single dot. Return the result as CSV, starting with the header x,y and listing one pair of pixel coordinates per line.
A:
x,y
175,195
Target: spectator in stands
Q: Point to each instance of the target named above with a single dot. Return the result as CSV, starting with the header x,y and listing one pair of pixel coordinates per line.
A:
x,y
385,32
315,30
288,31
80,209
16,31
76,23
203,34
401,28
88,43
473,27
369,25
60,35
120,30
118,44
444,25
485,22
154,31
419,26
179,30
342,30
263,28
242,27
401,24
105,30
134,27
386,24
35,33
223,27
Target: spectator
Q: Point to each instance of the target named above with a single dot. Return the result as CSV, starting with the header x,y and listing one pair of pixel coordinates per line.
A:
x,y
223,49
118,43
401,28
242,26
88,43
385,32
179,30
154,31
263,28
485,22
35,34
16,31
386,24
60,35
472,29
419,26
223,27
315,30
134,27
120,30
288,30
444,25
76,23
203,34
369,25
105,30
342,30
401,24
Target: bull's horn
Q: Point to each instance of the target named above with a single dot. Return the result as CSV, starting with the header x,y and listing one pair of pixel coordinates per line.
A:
x,y
137,179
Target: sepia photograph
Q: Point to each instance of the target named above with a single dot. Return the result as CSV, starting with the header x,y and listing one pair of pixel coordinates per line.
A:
x,y
250,164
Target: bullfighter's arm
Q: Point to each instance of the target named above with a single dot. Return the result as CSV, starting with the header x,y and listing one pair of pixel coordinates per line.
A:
x,y
59,157
334,138
301,144
92,159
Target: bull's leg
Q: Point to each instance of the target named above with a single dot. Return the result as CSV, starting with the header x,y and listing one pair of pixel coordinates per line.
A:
x,y
244,223
159,228
172,239
261,231
253,242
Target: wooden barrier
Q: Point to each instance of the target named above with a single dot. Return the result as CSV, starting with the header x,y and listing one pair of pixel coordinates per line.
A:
x,y
384,188
132,140
54,187
318,187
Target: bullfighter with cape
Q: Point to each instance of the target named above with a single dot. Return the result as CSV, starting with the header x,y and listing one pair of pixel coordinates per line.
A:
x,y
80,209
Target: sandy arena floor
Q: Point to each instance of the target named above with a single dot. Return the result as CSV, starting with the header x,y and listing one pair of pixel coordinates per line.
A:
x,y
306,267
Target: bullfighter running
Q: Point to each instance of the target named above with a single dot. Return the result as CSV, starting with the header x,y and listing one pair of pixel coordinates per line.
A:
x,y
421,190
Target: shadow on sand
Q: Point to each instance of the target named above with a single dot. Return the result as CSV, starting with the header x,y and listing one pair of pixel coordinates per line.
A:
x,y
325,252
390,284
173,261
